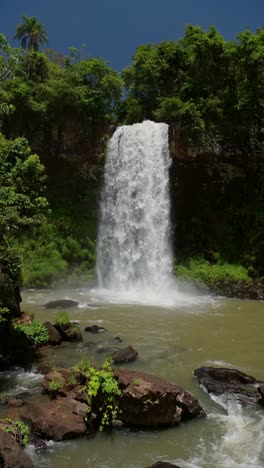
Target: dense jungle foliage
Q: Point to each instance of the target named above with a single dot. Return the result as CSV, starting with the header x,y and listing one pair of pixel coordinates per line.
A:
x,y
209,89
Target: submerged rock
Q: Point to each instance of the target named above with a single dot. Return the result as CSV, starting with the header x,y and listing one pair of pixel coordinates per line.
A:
x,y
117,338
150,401
127,354
162,464
95,329
11,453
221,381
61,304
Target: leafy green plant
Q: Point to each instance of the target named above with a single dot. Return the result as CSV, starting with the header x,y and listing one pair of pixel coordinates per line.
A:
x,y
136,382
4,314
54,385
35,331
17,429
102,383
62,318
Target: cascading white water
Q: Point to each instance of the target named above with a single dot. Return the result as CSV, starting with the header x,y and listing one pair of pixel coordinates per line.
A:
x,y
133,243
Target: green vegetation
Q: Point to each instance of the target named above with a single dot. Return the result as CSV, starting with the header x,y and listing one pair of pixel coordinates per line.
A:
x,y
62,318
36,332
209,274
54,385
102,390
209,89
17,429
102,382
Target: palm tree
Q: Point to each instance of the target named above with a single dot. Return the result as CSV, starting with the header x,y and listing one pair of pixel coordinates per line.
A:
x,y
31,33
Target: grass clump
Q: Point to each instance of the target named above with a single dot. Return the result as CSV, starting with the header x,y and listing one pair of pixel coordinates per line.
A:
x,y
62,319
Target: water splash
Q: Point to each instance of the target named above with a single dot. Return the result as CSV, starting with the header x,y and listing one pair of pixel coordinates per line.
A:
x,y
134,255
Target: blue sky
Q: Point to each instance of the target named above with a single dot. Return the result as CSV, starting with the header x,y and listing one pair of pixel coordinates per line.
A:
x,y
114,28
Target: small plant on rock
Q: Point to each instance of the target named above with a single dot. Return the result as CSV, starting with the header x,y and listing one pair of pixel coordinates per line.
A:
x,y
54,385
62,319
102,384
17,429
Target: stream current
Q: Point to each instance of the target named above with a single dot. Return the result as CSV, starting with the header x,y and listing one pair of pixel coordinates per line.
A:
x,y
172,342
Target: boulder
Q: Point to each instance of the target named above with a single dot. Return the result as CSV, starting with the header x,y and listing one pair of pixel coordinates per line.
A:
x,y
57,419
11,454
69,332
61,304
221,381
127,354
95,329
55,337
150,401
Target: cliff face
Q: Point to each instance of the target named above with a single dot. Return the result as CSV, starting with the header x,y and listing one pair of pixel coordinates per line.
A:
x,y
217,203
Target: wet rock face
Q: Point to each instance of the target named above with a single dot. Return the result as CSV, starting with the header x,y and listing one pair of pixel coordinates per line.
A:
x,y
127,354
218,381
150,401
11,454
57,419
54,336
69,332
61,304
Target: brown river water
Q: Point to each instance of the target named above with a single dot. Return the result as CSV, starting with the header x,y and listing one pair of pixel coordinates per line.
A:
x,y
172,340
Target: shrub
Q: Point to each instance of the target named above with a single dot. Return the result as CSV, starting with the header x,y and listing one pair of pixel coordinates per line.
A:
x,y
202,271
35,331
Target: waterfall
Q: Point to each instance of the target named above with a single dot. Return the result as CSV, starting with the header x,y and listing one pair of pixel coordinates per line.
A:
x,y
134,251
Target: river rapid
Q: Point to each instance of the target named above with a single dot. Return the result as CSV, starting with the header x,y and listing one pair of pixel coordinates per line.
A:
x,y
171,341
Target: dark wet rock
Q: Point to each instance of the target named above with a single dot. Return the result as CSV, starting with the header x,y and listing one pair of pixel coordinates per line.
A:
x,y
61,304
44,368
69,332
150,401
261,392
162,464
117,338
95,329
11,453
127,354
38,443
57,419
55,337
221,381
